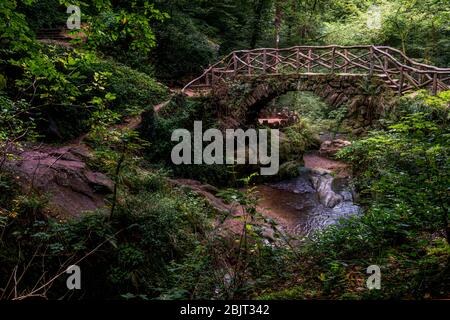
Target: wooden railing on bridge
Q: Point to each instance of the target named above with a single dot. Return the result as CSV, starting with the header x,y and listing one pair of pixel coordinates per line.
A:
x,y
53,34
393,66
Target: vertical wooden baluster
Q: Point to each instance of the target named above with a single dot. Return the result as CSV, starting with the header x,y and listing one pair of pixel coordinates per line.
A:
x,y
346,61
386,65
333,58
276,60
309,60
248,64
402,78
435,83
207,79
372,62
297,59
235,64
265,61
422,78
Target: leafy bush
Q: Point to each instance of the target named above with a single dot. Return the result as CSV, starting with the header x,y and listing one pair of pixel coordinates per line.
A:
x,y
131,254
45,14
300,137
8,190
16,125
68,91
179,114
133,91
403,178
190,50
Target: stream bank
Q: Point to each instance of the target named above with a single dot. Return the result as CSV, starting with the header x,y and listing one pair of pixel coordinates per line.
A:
x,y
318,197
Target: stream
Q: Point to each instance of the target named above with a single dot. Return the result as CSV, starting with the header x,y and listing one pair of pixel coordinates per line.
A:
x,y
318,197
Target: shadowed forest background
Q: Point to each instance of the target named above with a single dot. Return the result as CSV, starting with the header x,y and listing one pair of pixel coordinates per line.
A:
x,y
86,118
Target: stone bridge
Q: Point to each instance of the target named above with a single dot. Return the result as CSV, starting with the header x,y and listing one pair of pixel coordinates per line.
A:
x,y
242,100
361,77
399,72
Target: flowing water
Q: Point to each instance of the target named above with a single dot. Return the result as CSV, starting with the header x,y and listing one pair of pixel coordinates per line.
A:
x,y
315,199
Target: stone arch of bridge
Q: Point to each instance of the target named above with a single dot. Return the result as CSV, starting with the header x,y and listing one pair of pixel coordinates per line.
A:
x,y
362,96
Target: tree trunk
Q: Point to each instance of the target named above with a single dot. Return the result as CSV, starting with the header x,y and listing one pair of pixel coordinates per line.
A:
x,y
257,20
277,22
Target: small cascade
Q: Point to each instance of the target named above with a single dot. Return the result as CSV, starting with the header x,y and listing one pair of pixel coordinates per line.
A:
x,y
313,200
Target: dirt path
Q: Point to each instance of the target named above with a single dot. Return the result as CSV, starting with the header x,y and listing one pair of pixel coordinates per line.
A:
x,y
62,173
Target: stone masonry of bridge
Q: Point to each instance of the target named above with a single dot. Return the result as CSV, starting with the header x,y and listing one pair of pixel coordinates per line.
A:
x,y
241,100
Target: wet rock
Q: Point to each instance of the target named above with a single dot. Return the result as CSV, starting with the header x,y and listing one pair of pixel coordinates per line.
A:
x,y
347,196
289,169
313,200
322,183
300,185
330,148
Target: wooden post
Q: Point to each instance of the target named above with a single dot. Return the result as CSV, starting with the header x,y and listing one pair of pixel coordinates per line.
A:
x,y
297,59
309,60
248,64
207,79
402,78
372,62
333,59
276,60
346,61
422,77
435,84
265,61
235,62
386,65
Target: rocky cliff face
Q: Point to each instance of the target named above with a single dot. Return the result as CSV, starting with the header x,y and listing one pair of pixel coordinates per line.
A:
x,y
61,174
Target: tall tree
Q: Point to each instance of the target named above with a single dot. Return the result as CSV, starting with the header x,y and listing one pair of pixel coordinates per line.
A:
x,y
277,21
260,10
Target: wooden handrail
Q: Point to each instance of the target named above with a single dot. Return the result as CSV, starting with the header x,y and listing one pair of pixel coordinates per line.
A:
x,y
380,61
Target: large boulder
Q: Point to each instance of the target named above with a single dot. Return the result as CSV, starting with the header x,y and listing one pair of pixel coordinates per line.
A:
x,y
322,181
62,175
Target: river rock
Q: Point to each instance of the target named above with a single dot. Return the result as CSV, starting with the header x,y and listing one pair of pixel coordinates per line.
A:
x,y
323,185
330,148
289,169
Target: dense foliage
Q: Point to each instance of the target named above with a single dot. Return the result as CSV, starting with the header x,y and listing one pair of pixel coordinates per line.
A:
x,y
205,30
403,179
157,240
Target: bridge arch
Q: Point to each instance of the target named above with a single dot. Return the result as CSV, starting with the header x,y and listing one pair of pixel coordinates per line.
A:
x,y
240,102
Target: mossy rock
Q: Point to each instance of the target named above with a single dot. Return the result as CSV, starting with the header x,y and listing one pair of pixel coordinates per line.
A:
x,y
296,139
289,169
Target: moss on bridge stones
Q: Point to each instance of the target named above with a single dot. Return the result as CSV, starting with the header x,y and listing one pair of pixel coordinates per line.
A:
x,y
366,99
